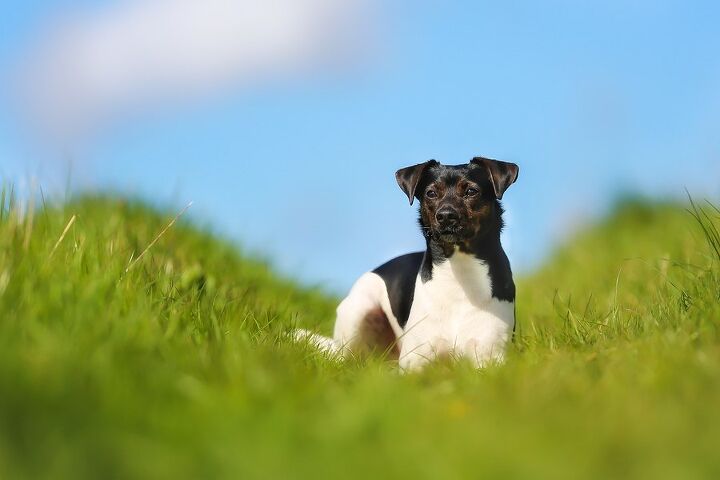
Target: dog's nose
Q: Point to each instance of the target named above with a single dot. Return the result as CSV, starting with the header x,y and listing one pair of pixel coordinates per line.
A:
x,y
447,215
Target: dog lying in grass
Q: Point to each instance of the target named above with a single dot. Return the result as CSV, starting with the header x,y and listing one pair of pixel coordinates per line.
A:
x,y
456,298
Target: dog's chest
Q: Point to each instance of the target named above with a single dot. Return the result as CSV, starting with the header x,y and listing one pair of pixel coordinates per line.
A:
x,y
458,299
459,282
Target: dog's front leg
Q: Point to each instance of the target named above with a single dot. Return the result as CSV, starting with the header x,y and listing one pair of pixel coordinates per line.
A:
x,y
416,354
482,353
485,346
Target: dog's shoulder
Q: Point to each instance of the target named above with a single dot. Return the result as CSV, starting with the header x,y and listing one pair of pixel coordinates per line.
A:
x,y
399,275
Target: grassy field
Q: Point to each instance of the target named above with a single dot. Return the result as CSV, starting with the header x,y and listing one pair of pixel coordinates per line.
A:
x,y
123,361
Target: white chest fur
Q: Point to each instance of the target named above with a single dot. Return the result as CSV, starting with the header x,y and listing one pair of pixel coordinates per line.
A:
x,y
455,313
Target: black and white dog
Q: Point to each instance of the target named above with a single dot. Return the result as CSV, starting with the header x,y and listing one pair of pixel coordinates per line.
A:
x,y
456,298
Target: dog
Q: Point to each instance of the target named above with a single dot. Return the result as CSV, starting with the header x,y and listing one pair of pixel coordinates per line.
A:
x,y
455,299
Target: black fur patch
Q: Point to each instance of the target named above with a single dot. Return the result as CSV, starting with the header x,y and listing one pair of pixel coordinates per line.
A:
x,y
399,275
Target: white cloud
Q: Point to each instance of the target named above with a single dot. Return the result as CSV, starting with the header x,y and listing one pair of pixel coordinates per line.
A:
x,y
94,66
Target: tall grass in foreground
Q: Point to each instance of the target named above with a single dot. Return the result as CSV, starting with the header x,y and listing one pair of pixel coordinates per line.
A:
x,y
173,363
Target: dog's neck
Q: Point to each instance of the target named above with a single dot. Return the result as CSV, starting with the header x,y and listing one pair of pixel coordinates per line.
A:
x,y
486,248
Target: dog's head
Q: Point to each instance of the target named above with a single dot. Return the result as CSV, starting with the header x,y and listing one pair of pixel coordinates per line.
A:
x,y
458,203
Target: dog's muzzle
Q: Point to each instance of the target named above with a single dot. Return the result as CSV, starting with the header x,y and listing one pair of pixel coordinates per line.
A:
x,y
449,226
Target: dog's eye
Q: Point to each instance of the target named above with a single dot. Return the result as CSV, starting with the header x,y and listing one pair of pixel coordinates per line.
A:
x,y
431,194
471,192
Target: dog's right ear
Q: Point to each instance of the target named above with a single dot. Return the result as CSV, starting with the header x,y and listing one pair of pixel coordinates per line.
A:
x,y
409,177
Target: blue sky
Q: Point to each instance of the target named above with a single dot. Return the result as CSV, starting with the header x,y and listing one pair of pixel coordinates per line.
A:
x,y
591,99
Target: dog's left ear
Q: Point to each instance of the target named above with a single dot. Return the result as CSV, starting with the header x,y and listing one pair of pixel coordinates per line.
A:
x,y
409,177
502,174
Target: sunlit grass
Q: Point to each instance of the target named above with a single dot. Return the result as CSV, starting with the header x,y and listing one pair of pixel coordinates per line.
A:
x,y
179,367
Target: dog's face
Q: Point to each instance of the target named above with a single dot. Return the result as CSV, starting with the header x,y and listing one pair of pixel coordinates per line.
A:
x,y
458,202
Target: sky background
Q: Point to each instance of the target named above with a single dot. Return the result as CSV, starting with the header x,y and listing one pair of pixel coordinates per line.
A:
x,y
592,99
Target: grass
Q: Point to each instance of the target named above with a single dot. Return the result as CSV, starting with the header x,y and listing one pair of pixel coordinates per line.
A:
x,y
176,365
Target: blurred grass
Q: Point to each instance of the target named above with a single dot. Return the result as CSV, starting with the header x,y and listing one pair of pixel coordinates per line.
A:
x,y
179,368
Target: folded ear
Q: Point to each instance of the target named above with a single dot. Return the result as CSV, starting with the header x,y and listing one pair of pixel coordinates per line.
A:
x,y
502,174
409,177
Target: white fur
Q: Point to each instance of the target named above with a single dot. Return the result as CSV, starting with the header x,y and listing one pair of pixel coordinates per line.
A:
x,y
326,344
453,314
